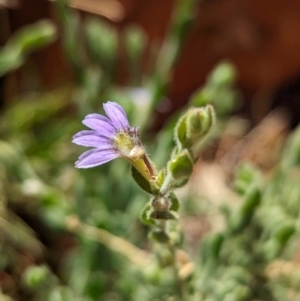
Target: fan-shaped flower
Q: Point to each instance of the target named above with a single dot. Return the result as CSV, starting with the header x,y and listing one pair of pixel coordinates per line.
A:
x,y
111,138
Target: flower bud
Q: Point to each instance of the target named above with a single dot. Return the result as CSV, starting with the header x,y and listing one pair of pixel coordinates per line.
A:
x,y
199,122
195,124
181,166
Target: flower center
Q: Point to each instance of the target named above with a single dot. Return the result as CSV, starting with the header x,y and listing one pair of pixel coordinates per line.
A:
x,y
124,142
128,145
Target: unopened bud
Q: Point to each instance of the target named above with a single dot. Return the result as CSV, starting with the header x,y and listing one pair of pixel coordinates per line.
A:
x,y
199,122
194,125
181,166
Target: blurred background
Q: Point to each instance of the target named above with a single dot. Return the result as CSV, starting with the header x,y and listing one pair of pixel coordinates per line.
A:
x,y
62,229
260,40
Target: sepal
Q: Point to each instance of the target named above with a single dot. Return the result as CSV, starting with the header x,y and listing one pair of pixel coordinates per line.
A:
x,y
145,215
174,202
181,133
158,181
166,215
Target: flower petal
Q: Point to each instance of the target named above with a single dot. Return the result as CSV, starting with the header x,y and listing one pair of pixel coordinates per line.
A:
x,y
100,124
96,157
92,139
117,115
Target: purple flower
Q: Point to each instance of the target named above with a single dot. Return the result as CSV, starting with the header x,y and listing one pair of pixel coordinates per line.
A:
x,y
110,138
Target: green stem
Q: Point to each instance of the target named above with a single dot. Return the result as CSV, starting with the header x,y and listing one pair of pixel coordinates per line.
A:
x,y
178,285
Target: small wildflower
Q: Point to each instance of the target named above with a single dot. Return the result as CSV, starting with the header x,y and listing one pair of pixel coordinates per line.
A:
x,y
111,138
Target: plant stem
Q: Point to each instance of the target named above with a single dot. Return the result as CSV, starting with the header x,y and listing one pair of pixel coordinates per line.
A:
x,y
115,243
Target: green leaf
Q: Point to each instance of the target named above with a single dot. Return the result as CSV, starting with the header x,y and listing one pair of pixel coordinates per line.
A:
x,y
102,42
140,180
159,236
174,202
10,58
291,155
25,40
243,216
246,175
135,41
284,232
34,36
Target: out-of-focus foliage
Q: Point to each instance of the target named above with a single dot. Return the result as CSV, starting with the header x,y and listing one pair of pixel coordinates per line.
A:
x,y
70,234
248,259
24,41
